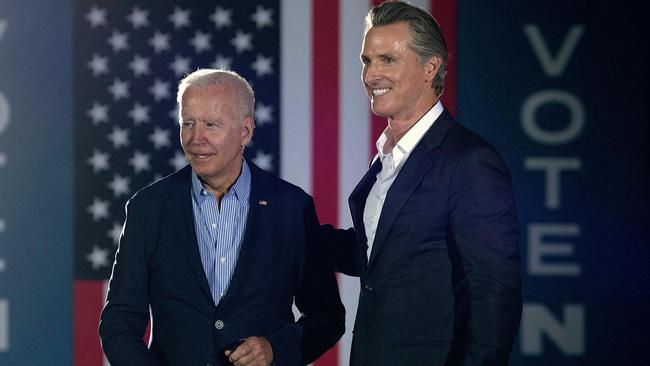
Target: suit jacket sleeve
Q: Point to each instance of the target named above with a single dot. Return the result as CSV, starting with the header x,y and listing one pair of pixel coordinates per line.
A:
x,y
317,296
342,249
126,313
485,236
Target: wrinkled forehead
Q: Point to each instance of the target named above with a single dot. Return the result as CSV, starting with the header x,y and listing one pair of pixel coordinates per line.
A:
x,y
214,98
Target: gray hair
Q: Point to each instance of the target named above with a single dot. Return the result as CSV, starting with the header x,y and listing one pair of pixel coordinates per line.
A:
x,y
206,77
426,37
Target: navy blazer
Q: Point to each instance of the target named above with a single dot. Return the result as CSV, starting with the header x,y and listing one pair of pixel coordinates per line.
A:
x,y
442,284
158,267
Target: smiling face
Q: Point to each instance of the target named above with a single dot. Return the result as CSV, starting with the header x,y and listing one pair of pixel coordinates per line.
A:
x,y
398,85
213,134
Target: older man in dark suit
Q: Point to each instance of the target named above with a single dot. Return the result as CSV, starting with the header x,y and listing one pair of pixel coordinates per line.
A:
x,y
218,251
436,234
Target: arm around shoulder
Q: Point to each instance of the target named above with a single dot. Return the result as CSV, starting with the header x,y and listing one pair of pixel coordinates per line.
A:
x,y
323,319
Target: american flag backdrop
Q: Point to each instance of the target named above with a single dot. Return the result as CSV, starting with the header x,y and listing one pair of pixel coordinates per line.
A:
x,y
313,125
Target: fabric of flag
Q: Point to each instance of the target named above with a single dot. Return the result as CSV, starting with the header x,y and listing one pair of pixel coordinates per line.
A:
x,y
313,125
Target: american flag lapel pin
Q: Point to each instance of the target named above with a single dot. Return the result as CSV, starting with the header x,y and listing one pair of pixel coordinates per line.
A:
x,y
263,202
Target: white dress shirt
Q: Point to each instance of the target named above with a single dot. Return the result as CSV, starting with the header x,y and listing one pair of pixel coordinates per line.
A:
x,y
392,155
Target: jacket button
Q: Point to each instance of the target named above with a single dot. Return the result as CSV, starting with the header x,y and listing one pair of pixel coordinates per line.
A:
x,y
366,288
218,324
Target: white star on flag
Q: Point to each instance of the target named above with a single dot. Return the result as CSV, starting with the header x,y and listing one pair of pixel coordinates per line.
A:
x,y
242,41
139,114
160,138
119,137
139,65
221,62
159,89
98,257
201,42
180,18
263,114
98,64
263,160
96,17
181,65
99,209
262,66
262,17
178,161
99,161
173,114
140,161
221,17
98,113
115,232
119,185
119,89
138,18
160,42
119,41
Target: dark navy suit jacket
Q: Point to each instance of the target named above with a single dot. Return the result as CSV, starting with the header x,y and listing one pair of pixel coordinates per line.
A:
x,y
442,284
158,266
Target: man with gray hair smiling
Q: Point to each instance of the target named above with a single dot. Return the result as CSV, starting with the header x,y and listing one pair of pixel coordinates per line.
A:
x,y
217,251
435,239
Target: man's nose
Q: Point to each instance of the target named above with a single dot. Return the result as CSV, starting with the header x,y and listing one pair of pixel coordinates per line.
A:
x,y
370,74
197,133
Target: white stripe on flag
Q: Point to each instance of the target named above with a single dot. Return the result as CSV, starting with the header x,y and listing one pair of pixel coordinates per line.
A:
x,y
295,96
424,4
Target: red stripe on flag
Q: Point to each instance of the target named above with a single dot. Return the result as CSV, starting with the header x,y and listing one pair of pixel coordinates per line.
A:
x,y
325,121
88,303
445,11
325,109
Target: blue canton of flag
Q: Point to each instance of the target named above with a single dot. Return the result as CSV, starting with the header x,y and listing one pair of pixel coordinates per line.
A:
x,y
129,58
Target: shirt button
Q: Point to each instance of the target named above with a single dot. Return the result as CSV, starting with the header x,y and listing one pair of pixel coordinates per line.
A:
x,y
214,226
218,324
222,259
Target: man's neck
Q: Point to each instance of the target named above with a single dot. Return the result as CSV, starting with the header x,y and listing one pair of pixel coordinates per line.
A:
x,y
219,187
399,128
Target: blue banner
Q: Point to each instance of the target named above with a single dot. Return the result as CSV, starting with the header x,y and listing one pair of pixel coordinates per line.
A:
x,y
561,89
36,183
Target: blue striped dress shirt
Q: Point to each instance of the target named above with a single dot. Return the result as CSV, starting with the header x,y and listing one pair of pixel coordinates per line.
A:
x,y
220,231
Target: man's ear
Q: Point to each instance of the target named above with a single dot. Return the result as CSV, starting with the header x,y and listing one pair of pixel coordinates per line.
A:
x,y
247,130
432,67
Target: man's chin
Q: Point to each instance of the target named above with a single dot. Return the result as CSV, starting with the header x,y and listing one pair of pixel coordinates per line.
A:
x,y
379,112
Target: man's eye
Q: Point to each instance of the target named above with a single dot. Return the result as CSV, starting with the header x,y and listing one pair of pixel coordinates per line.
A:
x,y
186,124
211,125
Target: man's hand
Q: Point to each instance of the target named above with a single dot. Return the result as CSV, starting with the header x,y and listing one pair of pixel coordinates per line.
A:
x,y
255,351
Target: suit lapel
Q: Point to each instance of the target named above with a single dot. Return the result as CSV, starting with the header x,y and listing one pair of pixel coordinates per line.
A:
x,y
408,179
357,203
260,211
181,205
